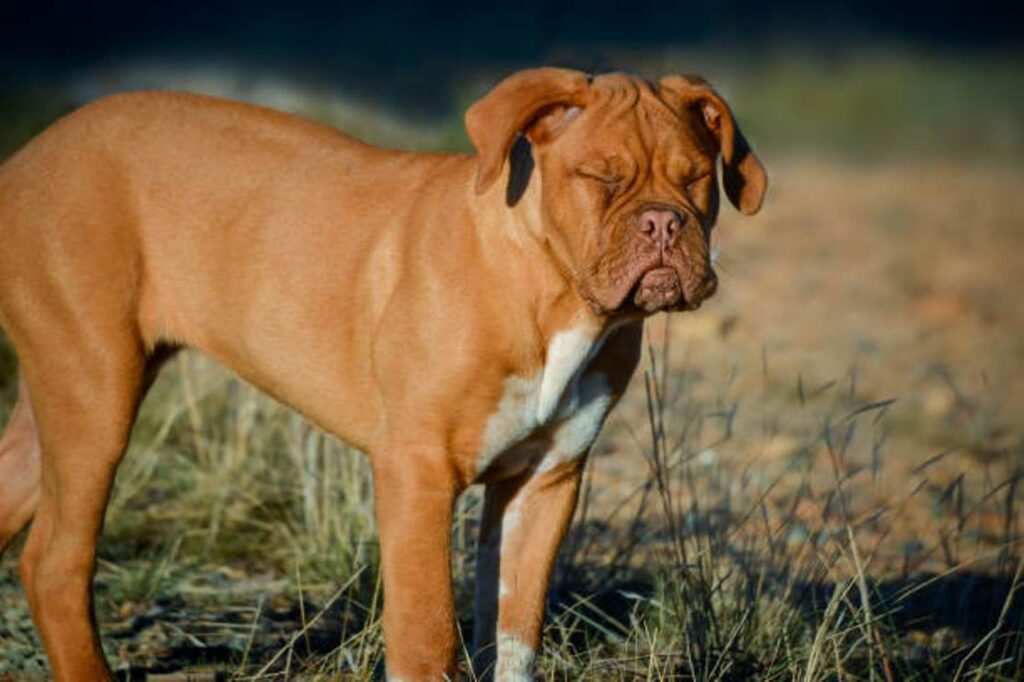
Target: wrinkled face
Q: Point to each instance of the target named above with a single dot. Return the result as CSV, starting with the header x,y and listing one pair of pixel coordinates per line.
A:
x,y
629,187
627,172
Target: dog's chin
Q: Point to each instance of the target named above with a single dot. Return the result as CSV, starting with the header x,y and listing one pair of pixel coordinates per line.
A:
x,y
657,290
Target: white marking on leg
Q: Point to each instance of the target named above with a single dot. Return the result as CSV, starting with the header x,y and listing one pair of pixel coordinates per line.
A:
x,y
509,525
511,519
490,588
515,660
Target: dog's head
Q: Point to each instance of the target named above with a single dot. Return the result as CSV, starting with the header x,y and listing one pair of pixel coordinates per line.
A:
x,y
629,190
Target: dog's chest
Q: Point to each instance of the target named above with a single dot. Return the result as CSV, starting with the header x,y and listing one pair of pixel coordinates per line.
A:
x,y
552,416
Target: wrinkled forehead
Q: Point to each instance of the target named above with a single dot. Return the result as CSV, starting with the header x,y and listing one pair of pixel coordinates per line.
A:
x,y
628,116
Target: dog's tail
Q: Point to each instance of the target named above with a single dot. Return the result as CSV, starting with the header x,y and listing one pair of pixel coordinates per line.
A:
x,y
19,469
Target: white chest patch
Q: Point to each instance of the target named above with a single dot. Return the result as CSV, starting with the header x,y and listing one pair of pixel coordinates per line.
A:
x,y
591,401
567,354
560,396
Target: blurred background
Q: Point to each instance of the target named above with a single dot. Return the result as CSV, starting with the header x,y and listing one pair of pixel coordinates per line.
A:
x,y
843,425
866,77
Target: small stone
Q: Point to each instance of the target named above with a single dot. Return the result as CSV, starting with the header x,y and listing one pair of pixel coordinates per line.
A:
x,y
707,457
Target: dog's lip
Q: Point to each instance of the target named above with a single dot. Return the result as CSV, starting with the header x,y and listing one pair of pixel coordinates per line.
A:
x,y
658,288
656,272
629,304
623,301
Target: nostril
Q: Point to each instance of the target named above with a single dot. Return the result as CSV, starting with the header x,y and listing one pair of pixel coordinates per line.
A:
x,y
660,225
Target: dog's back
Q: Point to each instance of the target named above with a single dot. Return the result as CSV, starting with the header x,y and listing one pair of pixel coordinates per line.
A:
x,y
178,219
219,189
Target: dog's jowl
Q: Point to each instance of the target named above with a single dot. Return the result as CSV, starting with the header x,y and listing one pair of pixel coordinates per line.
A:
x,y
461,318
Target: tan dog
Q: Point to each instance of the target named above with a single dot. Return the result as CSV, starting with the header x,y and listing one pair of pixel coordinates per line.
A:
x,y
460,318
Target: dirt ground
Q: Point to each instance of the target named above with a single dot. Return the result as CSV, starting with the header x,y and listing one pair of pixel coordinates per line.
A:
x,y
858,284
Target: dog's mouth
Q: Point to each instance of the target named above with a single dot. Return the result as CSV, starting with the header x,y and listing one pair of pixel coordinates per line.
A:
x,y
658,289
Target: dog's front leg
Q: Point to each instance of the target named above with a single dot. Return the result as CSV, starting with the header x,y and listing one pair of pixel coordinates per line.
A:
x,y
524,521
414,492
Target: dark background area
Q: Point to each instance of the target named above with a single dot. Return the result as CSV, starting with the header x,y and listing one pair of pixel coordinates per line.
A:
x,y
414,50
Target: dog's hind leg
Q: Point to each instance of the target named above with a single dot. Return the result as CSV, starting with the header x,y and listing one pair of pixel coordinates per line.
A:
x,y
19,469
85,397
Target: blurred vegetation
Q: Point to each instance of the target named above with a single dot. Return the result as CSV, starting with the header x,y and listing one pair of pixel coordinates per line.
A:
x,y
881,104
869,103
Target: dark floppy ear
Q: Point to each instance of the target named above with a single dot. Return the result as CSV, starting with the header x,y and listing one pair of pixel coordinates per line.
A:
x,y
743,176
511,107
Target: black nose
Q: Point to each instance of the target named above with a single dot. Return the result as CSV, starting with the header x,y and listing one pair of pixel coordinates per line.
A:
x,y
661,226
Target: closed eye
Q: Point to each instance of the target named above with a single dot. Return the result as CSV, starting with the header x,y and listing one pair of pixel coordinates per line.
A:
x,y
610,180
690,182
696,186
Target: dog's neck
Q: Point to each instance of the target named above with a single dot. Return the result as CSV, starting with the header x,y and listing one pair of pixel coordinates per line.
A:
x,y
521,250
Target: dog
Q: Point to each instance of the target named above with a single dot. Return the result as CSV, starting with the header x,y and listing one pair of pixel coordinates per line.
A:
x,y
462,318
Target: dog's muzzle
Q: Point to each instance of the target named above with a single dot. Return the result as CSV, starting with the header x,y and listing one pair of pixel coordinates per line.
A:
x,y
659,289
664,289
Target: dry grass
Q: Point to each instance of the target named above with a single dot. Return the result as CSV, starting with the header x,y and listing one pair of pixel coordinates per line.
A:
x,y
241,540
